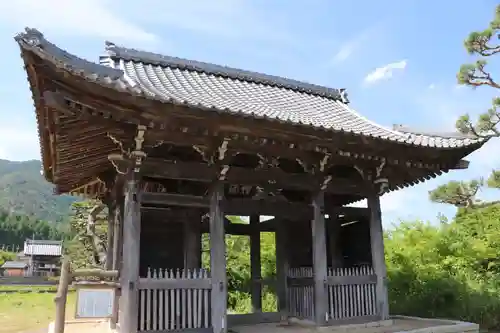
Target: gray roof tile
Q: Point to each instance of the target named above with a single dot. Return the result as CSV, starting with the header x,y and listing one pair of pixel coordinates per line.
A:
x,y
42,248
14,264
224,89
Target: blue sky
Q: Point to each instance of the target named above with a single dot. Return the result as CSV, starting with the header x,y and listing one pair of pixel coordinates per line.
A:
x,y
397,59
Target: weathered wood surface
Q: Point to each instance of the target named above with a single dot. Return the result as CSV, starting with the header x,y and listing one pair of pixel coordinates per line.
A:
x,y
131,251
378,258
245,207
174,300
319,259
218,261
202,172
282,262
61,296
346,301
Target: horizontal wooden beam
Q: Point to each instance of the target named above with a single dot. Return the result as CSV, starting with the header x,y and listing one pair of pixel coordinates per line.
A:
x,y
165,284
158,168
242,207
239,229
94,273
335,280
351,280
253,318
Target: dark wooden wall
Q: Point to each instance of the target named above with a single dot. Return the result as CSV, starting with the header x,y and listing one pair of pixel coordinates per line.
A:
x,y
354,243
162,241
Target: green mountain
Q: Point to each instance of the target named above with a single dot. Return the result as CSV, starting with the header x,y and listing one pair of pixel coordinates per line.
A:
x,y
23,190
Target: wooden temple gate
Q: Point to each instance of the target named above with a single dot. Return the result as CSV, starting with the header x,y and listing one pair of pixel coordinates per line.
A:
x,y
173,146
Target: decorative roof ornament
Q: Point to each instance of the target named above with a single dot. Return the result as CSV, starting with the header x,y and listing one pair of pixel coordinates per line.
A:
x,y
343,96
31,37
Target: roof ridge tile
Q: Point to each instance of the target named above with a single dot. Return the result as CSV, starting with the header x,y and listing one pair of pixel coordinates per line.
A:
x,y
150,58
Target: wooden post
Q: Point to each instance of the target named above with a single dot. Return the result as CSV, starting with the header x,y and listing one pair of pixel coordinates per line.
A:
x,y
319,260
131,251
255,263
378,257
111,235
61,296
281,239
218,260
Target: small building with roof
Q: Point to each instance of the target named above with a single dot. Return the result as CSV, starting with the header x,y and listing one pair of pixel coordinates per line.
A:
x,y
14,268
172,146
43,256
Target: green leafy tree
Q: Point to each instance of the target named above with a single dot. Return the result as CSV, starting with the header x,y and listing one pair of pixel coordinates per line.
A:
x,y
88,225
484,45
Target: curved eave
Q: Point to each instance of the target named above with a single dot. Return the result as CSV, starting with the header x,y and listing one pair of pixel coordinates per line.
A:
x,y
117,81
105,76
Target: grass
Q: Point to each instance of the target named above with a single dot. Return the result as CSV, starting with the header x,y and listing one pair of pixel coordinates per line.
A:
x,y
21,312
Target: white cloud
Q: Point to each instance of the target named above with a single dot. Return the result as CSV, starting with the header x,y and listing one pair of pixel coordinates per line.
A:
x,y
95,18
352,45
385,72
390,202
431,86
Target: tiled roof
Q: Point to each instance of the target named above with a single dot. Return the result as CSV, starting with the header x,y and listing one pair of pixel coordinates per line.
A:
x,y
14,264
222,89
42,248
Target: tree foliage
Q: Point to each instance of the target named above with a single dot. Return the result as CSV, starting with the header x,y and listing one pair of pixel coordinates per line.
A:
x,y
459,194
483,44
88,230
24,191
449,269
16,228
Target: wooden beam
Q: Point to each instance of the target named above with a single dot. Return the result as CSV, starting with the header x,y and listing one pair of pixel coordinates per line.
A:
x,y
319,259
241,229
218,260
378,258
167,284
243,207
253,318
95,272
131,254
202,172
255,262
351,280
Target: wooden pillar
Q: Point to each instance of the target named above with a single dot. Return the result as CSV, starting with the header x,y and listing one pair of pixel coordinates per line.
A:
x,y
255,263
218,260
319,260
378,258
281,239
110,234
192,243
131,251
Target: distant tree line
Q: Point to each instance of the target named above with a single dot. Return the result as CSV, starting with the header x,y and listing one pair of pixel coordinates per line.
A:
x,y
16,228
